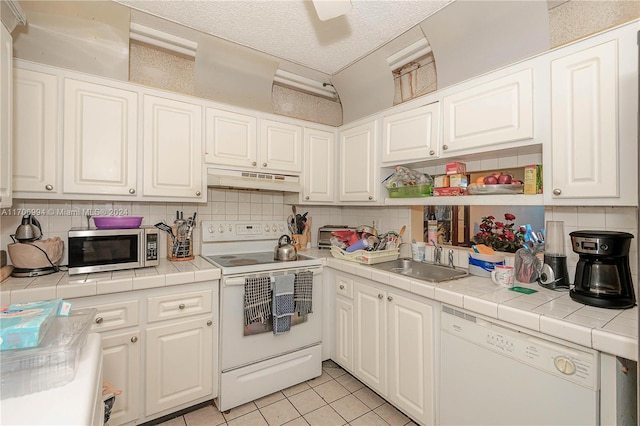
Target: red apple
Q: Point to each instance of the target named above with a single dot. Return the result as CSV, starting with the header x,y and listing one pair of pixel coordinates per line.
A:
x,y
490,180
505,179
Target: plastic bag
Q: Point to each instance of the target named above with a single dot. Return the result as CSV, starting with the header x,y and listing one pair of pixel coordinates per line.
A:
x,y
527,265
406,177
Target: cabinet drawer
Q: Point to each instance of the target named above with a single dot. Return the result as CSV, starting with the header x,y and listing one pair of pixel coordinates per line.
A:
x,y
179,305
344,287
116,315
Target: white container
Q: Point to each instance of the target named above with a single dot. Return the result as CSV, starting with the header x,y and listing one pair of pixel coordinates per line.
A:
x,y
418,251
483,264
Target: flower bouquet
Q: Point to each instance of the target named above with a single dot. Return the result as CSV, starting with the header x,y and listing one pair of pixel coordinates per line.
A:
x,y
500,236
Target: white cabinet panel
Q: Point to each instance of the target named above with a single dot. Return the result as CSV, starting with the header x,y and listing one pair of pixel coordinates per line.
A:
x,y
358,168
344,333
35,130
6,137
100,139
411,136
489,114
319,166
280,146
230,138
585,124
172,148
370,336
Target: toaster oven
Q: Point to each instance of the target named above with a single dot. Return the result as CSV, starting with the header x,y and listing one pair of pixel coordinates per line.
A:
x,y
324,234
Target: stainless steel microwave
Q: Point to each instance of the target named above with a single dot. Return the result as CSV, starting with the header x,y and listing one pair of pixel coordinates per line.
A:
x,y
100,250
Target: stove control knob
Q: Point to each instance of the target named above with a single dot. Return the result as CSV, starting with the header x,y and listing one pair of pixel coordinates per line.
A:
x,y
221,229
211,230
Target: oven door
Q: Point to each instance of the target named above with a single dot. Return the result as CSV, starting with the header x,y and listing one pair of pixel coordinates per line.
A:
x,y
239,348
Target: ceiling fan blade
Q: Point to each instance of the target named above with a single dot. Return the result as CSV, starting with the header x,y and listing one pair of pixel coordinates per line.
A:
x,y
329,9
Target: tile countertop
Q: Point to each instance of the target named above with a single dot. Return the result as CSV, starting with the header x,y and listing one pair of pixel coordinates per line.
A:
x,y
554,313
61,285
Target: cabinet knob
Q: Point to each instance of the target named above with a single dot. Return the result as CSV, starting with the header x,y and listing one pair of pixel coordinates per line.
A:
x,y
198,193
445,147
380,296
254,163
264,164
181,306
432,152
389,298
306,198
557,191
49,187
134,339
132,191
370,197
341,286
99,320
209,323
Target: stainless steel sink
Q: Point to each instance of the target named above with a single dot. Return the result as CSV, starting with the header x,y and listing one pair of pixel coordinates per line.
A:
x,y
422,271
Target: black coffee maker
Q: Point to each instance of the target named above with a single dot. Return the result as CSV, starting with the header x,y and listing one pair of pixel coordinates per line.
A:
x,y
603,277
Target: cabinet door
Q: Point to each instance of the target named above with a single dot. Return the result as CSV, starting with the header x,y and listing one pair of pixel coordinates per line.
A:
x,y
179,364
35,131
280,146
172,148
100,139
410,352
344,333
121,366
370,336
357,163
319,166
411,136
584,123
491,113
6,138
230,139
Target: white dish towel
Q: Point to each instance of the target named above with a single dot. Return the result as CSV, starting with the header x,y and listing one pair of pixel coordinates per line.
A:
x,y
282,303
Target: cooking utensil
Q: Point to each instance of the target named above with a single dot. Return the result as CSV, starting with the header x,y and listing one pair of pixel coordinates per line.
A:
x,y
29,230
404,228
285,250
295,219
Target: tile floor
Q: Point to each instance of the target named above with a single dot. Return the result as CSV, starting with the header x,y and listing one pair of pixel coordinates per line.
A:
x,y
335,398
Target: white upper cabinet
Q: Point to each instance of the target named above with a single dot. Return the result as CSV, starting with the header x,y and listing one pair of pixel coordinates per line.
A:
x,y
100,139
358,167
319,166
280,146
6,138
489,114
35,131
172,148
230,139
592,155
411,136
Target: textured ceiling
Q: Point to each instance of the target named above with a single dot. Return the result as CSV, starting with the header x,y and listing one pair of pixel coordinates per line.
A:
x,y
290,30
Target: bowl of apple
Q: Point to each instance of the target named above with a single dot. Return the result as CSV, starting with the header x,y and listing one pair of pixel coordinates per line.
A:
x,y
496,183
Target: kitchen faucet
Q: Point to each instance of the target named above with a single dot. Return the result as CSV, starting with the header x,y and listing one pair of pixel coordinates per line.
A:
x,y
451,259
437,252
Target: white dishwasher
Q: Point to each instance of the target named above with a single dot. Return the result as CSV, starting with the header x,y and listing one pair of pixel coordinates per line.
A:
x,y
491,374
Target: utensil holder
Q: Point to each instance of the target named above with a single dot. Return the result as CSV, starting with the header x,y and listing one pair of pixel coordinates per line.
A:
x,y
179,247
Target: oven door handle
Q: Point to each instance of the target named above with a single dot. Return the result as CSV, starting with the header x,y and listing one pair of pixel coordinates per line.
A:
x,y
237,281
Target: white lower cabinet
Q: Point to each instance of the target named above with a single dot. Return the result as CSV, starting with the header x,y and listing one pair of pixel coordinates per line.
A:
x,y
160,347
390,344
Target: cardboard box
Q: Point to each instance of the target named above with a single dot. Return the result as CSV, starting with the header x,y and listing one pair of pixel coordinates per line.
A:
x,y
533,179
451,191
441,181
456,168
458,180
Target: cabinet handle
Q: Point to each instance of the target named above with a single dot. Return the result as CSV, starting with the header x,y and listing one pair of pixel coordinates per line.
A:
x,y
49,187
209,323
181,306
134,339
99,320
306,198
389,298
198,193
132,191
432,152
370,197
253,163
341,286
264,164
380,296
445,147
557,191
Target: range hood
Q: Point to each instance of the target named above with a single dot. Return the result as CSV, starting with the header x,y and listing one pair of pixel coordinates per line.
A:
x,y
252,180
